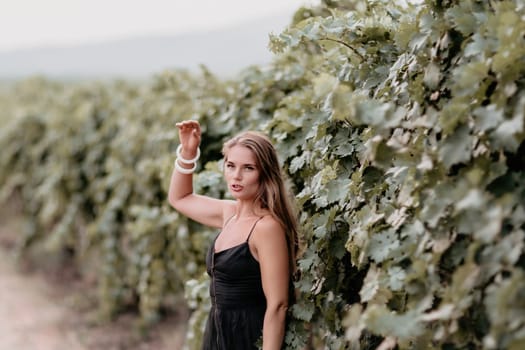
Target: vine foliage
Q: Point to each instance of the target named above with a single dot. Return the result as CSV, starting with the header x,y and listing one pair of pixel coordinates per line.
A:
x,y
401,129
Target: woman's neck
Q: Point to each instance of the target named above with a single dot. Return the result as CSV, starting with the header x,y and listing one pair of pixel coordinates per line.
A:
x,y
246,210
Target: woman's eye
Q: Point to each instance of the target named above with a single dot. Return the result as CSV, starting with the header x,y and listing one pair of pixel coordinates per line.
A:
x,y
229,166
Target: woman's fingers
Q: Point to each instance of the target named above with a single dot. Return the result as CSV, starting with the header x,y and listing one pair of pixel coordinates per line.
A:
x,y
188,125
189,133
187,122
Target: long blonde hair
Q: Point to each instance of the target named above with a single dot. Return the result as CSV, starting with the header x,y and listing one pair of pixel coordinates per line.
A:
x,y
273,194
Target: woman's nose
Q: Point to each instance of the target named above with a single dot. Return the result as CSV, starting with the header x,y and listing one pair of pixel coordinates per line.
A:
x,y
237,174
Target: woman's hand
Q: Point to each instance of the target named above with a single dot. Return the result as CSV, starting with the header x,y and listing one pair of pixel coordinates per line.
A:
x,y
205,210
190,137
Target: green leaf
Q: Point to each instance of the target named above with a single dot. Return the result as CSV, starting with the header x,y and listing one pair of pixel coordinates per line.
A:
x,y
379,319
303,310
469,77
505,134
338,103
396,278
370,284
382,245
457,148
477,46
436,202
324,84
372,112
504,301
488,117
432,76
337,190
463,18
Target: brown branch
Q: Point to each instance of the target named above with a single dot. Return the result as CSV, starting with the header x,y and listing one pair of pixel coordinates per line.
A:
x,y
345,44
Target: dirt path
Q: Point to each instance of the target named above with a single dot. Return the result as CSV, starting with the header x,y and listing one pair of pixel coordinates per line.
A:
x,y
31,320
40,311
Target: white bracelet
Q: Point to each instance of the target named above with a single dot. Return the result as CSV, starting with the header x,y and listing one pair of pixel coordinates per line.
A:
x,y
187,161
182,170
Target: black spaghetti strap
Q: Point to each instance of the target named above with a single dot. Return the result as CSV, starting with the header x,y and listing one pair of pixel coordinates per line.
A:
x,y
223,226
227,221
251,231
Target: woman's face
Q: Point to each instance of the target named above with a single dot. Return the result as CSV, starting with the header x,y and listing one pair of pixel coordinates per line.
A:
x,y
241,173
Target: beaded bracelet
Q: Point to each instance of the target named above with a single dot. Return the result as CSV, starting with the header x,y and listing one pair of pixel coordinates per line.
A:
x,y
182,170
187,161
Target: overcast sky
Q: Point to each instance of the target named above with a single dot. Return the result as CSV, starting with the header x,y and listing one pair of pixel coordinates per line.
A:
x,y
43,23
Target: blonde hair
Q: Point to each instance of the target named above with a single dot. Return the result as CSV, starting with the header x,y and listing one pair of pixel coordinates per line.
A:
x,y
273,194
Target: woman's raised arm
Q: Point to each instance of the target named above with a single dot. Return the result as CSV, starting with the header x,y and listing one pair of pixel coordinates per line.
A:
x,y
206,210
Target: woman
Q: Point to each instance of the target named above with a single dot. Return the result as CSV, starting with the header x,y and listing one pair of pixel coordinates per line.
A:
x,y
251,259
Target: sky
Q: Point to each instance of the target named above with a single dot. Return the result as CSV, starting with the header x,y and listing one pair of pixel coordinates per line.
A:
x,y
61,23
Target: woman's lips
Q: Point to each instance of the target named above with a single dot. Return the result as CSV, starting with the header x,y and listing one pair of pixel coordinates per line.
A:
x,y
236,188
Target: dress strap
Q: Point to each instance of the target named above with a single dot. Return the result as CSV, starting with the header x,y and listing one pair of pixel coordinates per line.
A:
x,y
227,221
223,226
251,231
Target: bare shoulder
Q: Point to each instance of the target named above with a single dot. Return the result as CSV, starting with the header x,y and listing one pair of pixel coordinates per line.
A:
x,y
268,222
269,243
269,230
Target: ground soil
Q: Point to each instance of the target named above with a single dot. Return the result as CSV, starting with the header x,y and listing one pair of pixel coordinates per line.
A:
x,y
49,307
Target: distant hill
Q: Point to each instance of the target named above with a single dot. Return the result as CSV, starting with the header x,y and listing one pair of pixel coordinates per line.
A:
x,y
225,52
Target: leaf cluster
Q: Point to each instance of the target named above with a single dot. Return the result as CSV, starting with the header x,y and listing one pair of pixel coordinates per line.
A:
x,y
401,129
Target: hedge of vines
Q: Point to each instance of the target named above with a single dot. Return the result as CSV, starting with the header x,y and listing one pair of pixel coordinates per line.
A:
x,y
401,128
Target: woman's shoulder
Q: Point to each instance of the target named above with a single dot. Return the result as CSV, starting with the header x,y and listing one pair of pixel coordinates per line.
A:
x,y
268,235
269,225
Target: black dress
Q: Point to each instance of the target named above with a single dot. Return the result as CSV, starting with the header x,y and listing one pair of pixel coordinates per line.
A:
x,y
236,317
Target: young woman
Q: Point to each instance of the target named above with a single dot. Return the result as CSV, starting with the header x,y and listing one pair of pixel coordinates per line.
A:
x,y
251,259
